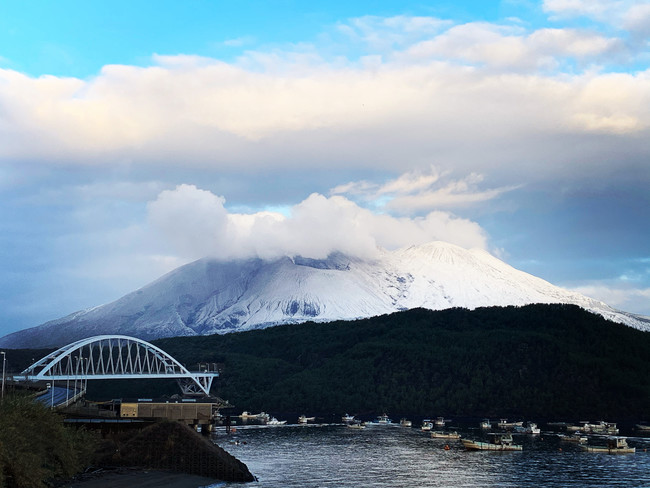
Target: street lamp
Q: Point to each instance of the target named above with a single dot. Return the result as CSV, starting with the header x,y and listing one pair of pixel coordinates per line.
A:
x,y
49,387
4,360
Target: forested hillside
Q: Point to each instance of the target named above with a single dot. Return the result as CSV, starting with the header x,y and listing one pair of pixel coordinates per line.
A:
x,y
537,361
534,361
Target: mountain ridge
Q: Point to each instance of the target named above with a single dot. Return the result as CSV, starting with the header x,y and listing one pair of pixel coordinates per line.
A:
x,y
208,296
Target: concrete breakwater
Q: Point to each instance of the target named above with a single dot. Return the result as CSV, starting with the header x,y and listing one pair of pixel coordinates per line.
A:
x,y
171,446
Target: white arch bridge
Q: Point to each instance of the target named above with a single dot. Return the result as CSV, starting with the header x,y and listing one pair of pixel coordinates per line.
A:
x,y
109,357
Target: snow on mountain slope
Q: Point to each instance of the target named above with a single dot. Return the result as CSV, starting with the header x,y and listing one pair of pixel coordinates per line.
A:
x,y
208,296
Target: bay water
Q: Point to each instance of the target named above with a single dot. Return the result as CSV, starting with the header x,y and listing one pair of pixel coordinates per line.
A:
x,y
321,456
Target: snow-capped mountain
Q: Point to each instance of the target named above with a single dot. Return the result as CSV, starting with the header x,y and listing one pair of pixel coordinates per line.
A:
x,y
209,296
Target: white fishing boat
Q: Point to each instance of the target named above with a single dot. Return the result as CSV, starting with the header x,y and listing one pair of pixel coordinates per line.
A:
x,y
427,425
254,416
303,419
440,422
528,428
384,420
615,445
505,425
347,418
274,421
405,423
445,435
356,425
577,437
486,424
601,427
497,442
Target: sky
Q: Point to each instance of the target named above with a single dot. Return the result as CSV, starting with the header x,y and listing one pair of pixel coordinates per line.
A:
x,y
139,136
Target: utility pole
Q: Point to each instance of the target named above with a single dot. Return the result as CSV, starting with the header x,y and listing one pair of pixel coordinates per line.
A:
x,y
4,360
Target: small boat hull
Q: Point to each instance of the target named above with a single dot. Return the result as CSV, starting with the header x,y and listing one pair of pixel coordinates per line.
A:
x,y
608,450
615,445
488,446
445,435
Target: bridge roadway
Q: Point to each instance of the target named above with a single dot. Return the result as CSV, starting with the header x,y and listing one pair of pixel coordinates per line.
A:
x,y
58,396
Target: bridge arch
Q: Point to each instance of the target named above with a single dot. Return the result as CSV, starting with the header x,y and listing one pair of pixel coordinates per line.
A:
x,y
111,357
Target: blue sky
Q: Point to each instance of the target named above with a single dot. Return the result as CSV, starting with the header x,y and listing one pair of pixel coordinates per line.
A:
x,y
138,136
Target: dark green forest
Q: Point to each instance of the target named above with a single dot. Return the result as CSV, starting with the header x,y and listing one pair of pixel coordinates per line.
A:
x,y
536,361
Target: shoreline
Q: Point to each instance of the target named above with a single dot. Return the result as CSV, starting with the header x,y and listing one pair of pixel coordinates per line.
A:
x,y
141,477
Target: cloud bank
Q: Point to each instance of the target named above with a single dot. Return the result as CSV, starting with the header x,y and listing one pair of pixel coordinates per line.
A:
x,y
195,223
423,90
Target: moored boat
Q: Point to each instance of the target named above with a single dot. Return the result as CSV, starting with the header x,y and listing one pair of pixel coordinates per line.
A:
x,y
528,428
274,421
255,416
427,425
347,418
601,427
383,419
505,425
356,425
615,445
445,435
577,437
405,423
303,419
485,424
498,442
440,422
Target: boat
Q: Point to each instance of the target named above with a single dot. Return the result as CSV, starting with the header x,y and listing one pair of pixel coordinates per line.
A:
x,y
440,422
383,419
643,427
498,442
427,425
601,427
347,418
577,437
255,416
615,445
274,421
445,435
405,423
529,428
304,419
356,425
486,424
505,425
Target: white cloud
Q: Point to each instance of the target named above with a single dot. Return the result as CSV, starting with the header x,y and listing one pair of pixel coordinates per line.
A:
x,y
590,8
417,191
239,41
195,224
510,47
628,15
637,19
471,97
621,296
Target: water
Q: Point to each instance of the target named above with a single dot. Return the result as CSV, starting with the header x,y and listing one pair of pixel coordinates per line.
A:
x,y
398,457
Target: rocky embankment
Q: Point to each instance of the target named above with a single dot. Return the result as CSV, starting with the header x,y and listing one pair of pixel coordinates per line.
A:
x,y
175,447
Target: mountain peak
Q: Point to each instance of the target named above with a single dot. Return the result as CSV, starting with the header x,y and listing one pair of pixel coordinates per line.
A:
x,y
209,296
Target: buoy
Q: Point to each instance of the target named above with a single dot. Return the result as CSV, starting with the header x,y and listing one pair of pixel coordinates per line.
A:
x,y
447,447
